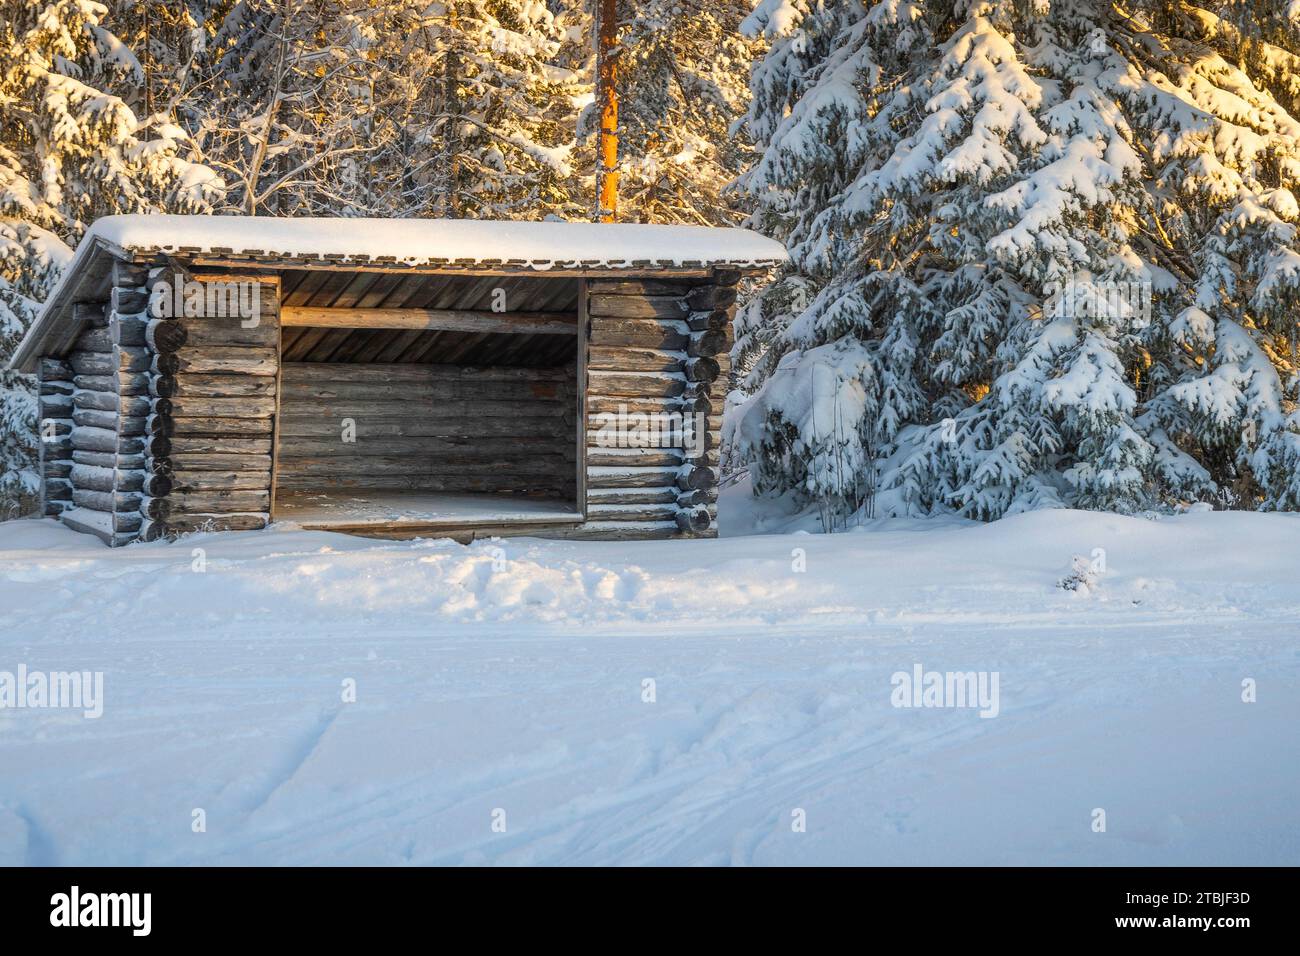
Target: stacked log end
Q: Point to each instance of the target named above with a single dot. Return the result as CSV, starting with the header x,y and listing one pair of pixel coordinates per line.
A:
x,y
54,427
109,406
657,347
212,383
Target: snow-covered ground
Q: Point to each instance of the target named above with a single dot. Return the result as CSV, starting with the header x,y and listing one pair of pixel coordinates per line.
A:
x,y
510,677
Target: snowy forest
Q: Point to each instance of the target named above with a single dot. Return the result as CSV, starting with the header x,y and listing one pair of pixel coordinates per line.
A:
x,y
1044,252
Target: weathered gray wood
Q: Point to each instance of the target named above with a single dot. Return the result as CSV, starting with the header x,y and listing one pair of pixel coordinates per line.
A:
x,y
108,459
229,359
686,403
129,275
95,439
183,482
242,407
639,287
54,370
92,363
694,477
88,398
164,335
201,461
473,482
707,344
638,307
181,524
427,446
701,370
228,331
296,424
711,297
693,520
95,340
639,333
217,445
158,445
617,531
128,330
630,512
466,410
95,478
55,406
617,359
425,393
95,418
56,467
396,373
154,507
93,314
211,386
449,320
128,300
635,385
60,447
209,425
215,501
122,383
612,477
705,321
442,467
132,359
667,495
58,489
634,457
106,500
156,486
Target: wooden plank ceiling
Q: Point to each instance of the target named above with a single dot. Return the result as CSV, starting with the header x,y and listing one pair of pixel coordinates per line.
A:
x,y
376,290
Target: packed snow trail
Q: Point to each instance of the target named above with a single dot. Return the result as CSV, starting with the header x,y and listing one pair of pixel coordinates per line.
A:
x,y
504,682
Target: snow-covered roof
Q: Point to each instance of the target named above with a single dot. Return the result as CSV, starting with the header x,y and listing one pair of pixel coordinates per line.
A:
x,y
535,247
416,242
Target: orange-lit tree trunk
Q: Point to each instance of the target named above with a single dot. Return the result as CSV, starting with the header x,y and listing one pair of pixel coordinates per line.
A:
x,y
607,101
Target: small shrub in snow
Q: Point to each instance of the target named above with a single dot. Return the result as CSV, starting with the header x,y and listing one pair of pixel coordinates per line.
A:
x,y
1082,577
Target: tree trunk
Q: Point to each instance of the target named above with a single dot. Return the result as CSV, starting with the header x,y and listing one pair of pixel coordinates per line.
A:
x,y
607,100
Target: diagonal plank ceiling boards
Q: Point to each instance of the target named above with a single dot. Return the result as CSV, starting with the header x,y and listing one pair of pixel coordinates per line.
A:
x,y
390,318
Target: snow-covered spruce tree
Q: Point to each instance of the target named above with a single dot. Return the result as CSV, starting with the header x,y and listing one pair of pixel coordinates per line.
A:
x,y
963,185
71,149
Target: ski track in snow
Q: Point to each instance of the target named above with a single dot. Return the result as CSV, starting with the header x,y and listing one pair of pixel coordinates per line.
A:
x,y
519,688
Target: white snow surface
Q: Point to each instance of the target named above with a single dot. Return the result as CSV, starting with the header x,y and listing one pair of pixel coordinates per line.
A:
x,y
516,684
416,241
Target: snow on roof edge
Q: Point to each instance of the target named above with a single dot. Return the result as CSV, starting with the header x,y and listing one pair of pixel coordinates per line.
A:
x,y
414,242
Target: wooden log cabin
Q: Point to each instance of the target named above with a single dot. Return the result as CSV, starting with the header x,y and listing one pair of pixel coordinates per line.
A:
x,y
392,378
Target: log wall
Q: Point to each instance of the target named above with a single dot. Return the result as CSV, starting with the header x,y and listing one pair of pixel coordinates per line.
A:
x,y
213,383
55,396
656,347
110,405
437,428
